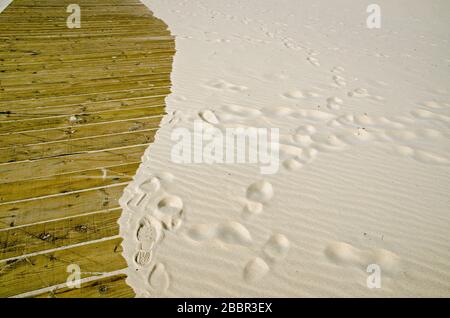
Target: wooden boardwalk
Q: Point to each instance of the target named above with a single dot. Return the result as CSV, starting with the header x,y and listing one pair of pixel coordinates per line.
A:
x,y
78,107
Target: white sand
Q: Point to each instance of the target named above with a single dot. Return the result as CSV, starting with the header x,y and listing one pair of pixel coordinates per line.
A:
x,y
364,118
4,4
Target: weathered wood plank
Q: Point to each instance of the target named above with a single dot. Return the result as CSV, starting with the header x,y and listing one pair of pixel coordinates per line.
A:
x,y
25,170
70,90
35,188
26,112
26,274
109,287
36,137
66,205
44,236
83,97
75,120
83,145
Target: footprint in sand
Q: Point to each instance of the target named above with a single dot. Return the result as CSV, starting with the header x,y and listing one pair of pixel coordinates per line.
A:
x,y
241,111
260,191
300,94
169,211
358,92
421,155
304,130
425,114
313,61
328,142
274,250
143,257
313,115
292,164
339,80
258,194
277,247
146,234
209,116
297,161
229,233
338,70
159,280
334,103
253,208
143,191
150,186
233,233
159,211
345,254
256,269
402,135
221,84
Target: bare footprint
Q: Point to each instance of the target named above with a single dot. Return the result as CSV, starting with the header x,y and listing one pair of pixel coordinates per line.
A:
x,y
343,253
313,61
427,114
299,94
233,233
170,211
292,164
334,103
260,191
159,279
358,92
255,269
339,80
338,70
209,117
277,247
224,85
229,233
346,254
150,186
252,208
241,111
421,155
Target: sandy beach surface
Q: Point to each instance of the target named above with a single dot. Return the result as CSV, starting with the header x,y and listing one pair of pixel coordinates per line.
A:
x,y
359,204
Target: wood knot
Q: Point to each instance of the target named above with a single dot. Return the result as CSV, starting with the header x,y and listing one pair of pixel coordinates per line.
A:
x,y
103,289
81,228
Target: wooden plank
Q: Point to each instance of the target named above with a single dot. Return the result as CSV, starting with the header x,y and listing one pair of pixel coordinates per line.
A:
x,y
66,205
61,82
109,287
26,274
64,183
70,90
76,120
64,77
83,131
25,170
44,236
48,150
64,121
82,98
26,112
